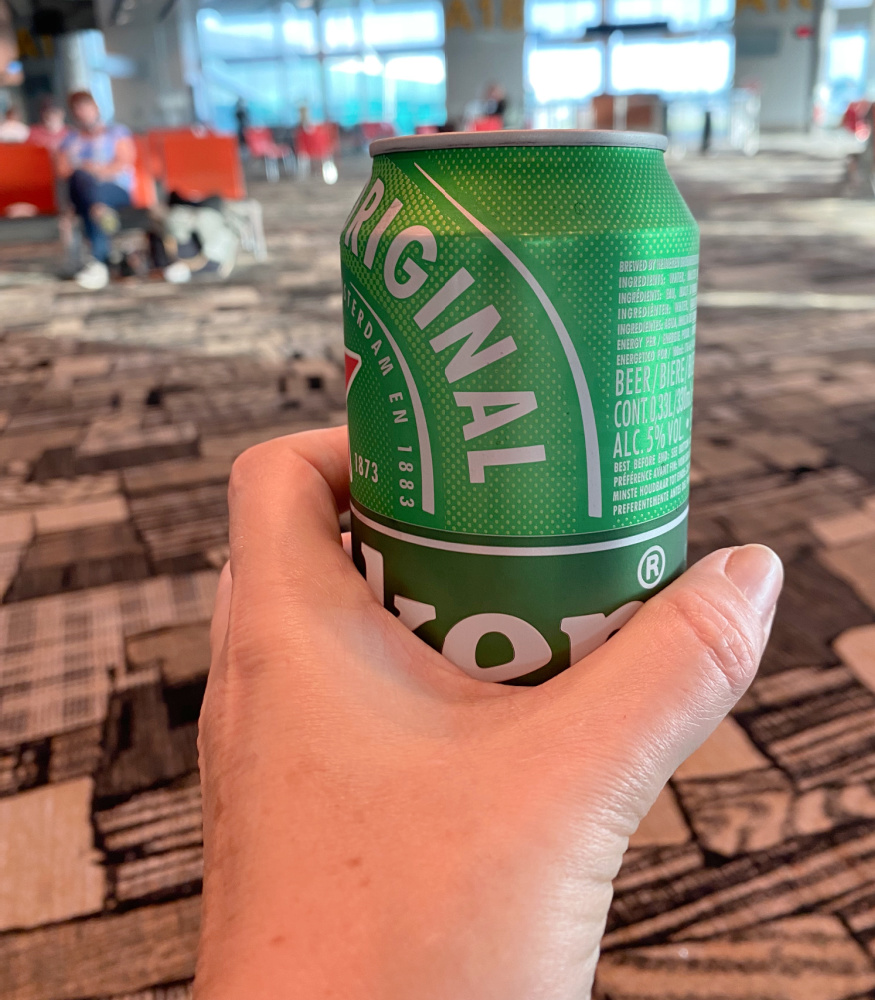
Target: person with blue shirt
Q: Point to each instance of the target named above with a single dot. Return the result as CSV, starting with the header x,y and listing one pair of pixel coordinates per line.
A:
x,y
97,162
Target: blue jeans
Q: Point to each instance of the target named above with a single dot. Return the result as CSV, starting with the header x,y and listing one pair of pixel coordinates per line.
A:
x,y
85,191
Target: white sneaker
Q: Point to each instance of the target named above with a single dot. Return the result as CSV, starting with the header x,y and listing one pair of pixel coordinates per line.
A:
x,y
177,273
94,276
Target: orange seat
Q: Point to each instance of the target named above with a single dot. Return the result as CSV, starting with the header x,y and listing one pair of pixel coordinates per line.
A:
x,y
144,193
27,177
157,136
198,166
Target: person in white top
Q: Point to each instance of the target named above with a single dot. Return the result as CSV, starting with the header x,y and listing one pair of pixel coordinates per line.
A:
x,y
12,128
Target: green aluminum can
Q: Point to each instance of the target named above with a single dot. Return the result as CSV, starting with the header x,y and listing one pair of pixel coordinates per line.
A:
x,y
519,320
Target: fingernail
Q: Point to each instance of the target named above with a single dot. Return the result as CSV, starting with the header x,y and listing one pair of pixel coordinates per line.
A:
x,y
758,574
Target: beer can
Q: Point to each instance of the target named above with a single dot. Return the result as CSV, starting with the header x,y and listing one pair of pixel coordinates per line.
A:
x,y
519,323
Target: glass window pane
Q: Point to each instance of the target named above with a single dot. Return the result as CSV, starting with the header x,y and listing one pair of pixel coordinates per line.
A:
x,y
847,57
422,24
343,80
415,90
565,74
556,19
667,66
678,13
304,88
339,31
300,30
722,10
624,11
236,36
258,82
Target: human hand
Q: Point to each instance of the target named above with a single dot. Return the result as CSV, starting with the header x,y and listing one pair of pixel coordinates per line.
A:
x,y
377,824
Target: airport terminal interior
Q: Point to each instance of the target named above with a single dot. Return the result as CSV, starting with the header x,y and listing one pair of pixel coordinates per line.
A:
x,y
126,397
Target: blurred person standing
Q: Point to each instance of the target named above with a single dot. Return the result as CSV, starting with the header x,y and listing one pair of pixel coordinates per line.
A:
x,y
12,128
241,113
495,102
97,161
51,129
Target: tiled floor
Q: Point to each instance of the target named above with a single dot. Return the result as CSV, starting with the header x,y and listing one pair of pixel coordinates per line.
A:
x,y
120,414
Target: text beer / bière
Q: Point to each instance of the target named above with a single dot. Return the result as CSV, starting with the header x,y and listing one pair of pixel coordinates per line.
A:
x,y
519,318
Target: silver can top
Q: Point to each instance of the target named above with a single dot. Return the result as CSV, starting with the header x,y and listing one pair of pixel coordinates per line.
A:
x,y
519,137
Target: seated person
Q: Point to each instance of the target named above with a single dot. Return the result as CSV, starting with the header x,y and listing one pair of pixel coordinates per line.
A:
x,y
97,161
51,129
12,128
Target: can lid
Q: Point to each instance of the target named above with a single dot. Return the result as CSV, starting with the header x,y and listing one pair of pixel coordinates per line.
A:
x,y
519,137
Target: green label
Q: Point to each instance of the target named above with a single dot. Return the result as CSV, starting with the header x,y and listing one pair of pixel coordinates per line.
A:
x,y
519,328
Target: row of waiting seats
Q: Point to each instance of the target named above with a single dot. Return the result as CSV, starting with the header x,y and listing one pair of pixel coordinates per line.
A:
x,y
192,162
195,164
317,143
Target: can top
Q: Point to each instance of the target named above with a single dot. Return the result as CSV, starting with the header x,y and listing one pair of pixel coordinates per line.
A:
x,y
519,137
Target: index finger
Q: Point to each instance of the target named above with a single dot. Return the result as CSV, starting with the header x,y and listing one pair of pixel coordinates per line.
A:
x,y
284,497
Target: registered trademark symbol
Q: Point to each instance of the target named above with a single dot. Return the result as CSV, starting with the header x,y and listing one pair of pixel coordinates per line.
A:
x,y
651,567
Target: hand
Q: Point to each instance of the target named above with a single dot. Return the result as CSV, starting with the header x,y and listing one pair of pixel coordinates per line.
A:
x,y
97,170
377,824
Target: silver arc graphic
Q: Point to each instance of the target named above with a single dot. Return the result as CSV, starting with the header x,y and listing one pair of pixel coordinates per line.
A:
x,y
423,541
426,461
590,434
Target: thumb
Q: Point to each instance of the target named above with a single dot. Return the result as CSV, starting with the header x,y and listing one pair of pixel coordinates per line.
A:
x,y
650,696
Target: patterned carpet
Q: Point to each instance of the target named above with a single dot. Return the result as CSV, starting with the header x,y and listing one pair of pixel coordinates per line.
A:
x,y
120,413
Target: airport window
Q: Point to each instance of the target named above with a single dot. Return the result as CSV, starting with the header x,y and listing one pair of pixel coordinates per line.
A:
x,y
672,66
257,81
561,20
380,63
300,30
415,89
339,31
572,73
407,88
677,13
847,57
304,89
403,26
236,36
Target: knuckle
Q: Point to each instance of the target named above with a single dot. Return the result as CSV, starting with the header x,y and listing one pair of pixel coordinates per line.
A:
x,y
730,648
243,468
251,465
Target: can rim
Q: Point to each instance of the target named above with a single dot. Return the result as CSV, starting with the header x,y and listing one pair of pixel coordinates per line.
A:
x,y
519,137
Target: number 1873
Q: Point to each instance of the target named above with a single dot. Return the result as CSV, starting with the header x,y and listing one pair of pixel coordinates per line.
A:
x,y
365,467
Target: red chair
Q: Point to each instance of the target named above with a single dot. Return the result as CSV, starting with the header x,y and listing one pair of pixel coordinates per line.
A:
x,y
856,119
27,178
261,145
317,142
198,167
488,123
371,131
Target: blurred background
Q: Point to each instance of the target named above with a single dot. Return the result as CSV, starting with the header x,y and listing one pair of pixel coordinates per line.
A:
x,y
403,64
202,315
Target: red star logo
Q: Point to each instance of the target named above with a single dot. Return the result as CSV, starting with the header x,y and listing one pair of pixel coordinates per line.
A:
x,y
353,363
